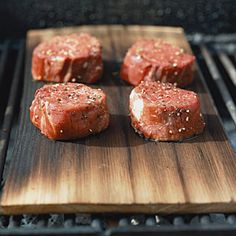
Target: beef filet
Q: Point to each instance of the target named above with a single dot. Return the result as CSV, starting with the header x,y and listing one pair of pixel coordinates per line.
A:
x,y
160,111
69,111
75,58
156,60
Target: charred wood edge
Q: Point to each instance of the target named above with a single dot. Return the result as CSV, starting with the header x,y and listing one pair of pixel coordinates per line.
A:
x,y
11,104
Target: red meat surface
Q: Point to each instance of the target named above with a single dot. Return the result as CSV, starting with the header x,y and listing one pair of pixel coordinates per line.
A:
x,y
156,60
76,58
160,111
69,111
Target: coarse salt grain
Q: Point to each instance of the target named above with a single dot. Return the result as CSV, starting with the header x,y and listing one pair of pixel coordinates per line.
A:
x,y
174,65
85,65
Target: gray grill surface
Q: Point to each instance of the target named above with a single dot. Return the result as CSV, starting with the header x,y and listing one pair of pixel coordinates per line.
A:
x,y
216,57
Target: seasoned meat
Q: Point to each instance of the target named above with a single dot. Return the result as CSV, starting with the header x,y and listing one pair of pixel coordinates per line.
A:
x,y
76,58
160,111
156,60
69,111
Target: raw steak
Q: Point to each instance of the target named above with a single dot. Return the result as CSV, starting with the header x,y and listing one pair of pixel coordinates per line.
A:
x,y
69,111
160,111
156,60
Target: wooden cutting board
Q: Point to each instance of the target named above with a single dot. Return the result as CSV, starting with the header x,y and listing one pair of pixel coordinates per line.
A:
x,y
118,171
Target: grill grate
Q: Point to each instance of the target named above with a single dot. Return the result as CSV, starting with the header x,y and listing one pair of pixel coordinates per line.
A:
x,y
116,224
217,60
13,54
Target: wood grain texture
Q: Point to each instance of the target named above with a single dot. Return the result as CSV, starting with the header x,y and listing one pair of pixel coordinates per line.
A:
x,y
118,171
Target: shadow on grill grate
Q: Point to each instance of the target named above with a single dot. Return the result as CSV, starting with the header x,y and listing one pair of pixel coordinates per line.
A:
x,y
218,64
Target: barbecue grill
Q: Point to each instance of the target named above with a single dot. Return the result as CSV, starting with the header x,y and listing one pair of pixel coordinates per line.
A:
x,y
214,44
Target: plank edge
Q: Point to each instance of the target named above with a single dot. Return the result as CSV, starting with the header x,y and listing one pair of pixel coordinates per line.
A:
x,y
163,208
33,32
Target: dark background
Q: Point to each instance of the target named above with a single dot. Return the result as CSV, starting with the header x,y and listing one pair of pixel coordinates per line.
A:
x,y
204,16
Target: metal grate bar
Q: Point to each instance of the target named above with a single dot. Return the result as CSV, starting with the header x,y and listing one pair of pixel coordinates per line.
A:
x,y
219,82
9,111
228,66
3,58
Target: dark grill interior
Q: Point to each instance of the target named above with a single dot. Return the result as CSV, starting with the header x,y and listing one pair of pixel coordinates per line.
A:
x,y
216,58
209,17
